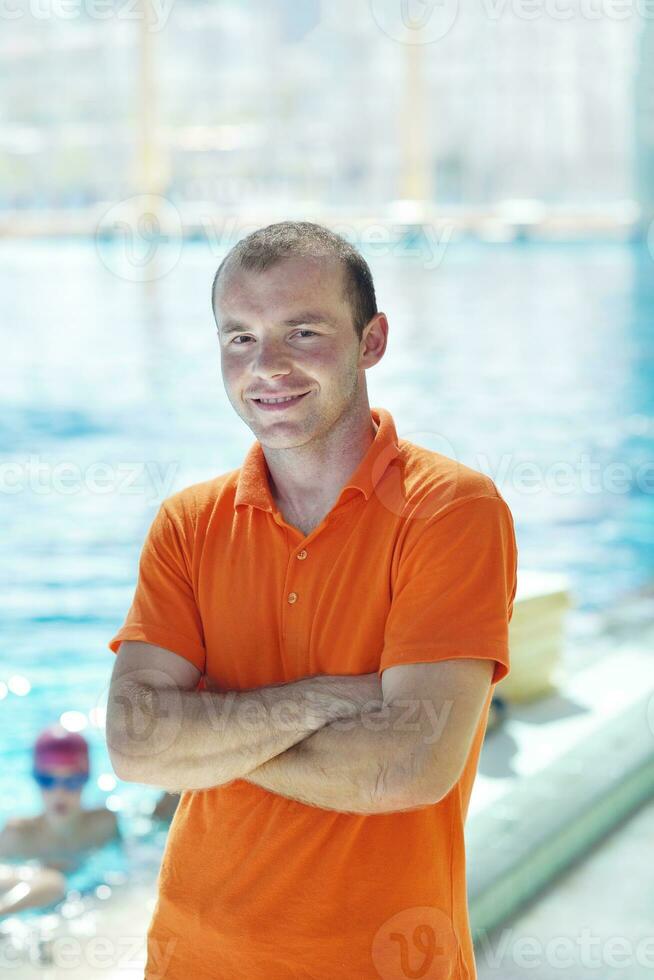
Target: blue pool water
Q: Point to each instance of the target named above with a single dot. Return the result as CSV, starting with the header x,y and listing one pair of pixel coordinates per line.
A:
x,y
503,355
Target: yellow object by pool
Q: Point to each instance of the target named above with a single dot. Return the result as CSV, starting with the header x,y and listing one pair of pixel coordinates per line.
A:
x,y
536,634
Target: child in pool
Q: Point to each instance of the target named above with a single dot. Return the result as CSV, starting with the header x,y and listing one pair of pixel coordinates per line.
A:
x,y
61,835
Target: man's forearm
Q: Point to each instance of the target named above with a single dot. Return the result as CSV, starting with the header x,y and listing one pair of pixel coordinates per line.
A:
x,y
181,740
368,764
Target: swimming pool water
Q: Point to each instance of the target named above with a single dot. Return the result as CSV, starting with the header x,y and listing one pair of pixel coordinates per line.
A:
x,y
111,399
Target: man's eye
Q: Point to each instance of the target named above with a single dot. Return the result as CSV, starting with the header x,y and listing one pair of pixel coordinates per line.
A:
x,y
308,331
240,337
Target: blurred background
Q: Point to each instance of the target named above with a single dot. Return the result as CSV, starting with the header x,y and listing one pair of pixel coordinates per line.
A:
x,y
495,165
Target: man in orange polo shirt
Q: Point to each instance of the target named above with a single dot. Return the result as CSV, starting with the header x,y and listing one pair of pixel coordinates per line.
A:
x,y
311,651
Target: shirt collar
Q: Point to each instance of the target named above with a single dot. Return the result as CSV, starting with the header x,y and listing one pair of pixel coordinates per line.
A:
x,y
253,487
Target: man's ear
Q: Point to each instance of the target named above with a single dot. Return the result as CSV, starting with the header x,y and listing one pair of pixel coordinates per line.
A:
x,y
375,340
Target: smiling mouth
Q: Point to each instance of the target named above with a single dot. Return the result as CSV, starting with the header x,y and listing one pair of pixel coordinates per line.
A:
x,y
284,403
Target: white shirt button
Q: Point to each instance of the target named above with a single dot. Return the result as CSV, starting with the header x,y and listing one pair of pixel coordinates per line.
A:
x,y
292,597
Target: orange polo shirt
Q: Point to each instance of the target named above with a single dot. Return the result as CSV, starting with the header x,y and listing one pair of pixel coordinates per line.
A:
x,y
416,561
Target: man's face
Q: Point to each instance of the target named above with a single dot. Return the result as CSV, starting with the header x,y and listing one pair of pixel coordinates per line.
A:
x,y
288,330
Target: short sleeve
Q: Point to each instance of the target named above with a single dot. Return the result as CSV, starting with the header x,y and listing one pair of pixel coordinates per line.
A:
x,y
164,611
454,588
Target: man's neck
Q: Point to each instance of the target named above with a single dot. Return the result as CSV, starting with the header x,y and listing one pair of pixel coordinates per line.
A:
x,y
309,479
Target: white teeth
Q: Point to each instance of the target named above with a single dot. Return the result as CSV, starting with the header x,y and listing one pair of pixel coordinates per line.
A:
x,y
276,401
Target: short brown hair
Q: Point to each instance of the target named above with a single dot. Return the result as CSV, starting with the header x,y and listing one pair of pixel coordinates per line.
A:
x,y
267,246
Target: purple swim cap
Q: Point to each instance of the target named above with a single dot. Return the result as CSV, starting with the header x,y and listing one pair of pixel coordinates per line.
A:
x,y
58,747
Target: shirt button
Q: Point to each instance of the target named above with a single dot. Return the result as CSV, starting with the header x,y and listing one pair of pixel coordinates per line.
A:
x,y
301,554
292,597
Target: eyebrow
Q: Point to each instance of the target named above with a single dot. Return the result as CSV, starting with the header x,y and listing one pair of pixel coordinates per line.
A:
x,y
234,326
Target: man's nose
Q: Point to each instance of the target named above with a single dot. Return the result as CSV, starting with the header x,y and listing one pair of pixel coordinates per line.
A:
x,y
271,358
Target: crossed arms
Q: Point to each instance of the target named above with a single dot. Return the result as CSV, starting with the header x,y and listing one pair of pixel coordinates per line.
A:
x,y
352,743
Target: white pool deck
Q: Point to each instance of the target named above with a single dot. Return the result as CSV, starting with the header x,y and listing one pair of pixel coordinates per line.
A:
x,y
594,922
535,735
558,776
